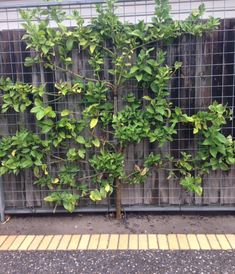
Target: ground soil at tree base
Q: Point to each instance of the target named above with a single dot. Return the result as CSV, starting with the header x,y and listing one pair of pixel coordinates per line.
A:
x,y
132,223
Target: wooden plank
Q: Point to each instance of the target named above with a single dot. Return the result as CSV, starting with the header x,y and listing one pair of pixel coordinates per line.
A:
x,y
173,52
186,102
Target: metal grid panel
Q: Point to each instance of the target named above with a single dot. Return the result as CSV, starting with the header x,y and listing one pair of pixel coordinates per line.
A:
x,y
207,75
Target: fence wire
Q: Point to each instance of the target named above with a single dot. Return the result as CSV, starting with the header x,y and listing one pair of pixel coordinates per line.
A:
x,y
207,75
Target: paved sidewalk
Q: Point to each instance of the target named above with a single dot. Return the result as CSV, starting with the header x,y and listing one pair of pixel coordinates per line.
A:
x,y
118,242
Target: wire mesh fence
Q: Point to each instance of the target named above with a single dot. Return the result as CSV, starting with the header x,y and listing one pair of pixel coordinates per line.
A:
x,y
207,75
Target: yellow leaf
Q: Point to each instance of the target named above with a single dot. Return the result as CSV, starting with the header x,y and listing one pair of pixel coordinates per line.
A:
x,y
144,171
107,187
93,122
56,181
195,130
13,153
147,98
92,48
65,112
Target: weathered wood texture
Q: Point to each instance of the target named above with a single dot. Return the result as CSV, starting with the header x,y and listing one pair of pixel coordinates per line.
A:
x,y
207,75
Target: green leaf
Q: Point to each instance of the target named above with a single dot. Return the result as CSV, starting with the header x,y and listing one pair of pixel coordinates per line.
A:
x,y
69,206
139,77
81,153
213,152
80,140
221,138
36,171
28,62
103,193
178,65
69,44
137,33
40,115
230,160
198,190
148,70
96,142
65,112
45,49
93,122
35,109
26,163
134,69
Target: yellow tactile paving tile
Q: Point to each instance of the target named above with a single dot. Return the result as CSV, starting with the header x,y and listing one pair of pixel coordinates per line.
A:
x,y
214,244
118,242
64,242
231,239
223,242
143,241
162,241
73,245
113,241
203,242
152,239
193,242
8,242
18,241
133,242
183,241
84,241
94,241
54,243
103,242
2,239
173,242
45,242
123,241
35,243
26,243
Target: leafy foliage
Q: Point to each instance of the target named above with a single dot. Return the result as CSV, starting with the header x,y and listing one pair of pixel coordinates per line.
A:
x,y
21,151
97,136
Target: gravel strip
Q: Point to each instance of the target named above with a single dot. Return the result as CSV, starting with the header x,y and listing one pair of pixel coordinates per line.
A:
x,y
118,262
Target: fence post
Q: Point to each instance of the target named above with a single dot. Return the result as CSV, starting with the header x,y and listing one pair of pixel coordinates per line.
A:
x,y
2,202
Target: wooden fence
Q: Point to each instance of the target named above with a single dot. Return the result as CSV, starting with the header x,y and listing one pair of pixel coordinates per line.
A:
x,y
207,75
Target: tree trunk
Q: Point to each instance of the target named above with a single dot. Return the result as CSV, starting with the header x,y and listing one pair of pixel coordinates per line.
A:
x,y
118,197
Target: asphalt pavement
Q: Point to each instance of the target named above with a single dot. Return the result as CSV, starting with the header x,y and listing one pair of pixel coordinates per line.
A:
x,y
117,262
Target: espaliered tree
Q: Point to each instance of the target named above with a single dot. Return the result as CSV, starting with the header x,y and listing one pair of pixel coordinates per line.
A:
x,y
97,134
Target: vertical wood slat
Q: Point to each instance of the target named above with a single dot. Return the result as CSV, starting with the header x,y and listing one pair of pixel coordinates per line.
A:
x,y
172,148
227,178
203,98
187,101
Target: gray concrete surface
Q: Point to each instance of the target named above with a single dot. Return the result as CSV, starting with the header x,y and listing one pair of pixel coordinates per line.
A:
x,y
118,262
